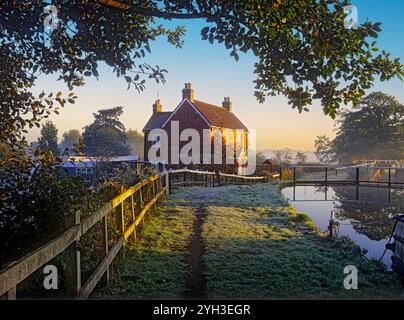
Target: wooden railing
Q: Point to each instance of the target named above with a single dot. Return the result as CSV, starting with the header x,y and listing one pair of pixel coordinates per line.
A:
x,y
187,177
12,275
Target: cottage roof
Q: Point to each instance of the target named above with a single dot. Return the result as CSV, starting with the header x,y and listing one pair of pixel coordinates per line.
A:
x,y
156,120
215,115
219,116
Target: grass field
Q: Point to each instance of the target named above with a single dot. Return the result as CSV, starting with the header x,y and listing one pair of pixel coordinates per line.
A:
x,y
240,242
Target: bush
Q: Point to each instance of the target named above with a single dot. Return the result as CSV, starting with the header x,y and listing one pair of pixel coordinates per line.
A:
x,y
37,202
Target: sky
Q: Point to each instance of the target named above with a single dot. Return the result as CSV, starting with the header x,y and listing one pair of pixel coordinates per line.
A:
x,y
214,75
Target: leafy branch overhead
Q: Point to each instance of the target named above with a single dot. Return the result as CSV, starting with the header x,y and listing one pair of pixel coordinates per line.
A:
x,y
303,49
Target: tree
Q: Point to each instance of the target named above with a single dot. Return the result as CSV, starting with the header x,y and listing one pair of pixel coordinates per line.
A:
x,y
300,157
260,158
303,50
363,215
106,136
48,141
136,142
71,140
4,150
374,130
324,150
283,157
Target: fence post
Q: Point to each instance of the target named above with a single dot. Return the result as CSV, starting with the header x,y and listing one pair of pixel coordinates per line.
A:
x,y
357,176
389,177
10,294
106,246
141,197
155,191
280,173
294,174
133,214
167,182
73,264
120,221
132,203
138,167
332,224
141,202
326,174
120,218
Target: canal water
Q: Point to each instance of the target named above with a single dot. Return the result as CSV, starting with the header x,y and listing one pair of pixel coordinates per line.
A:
x,y
359,211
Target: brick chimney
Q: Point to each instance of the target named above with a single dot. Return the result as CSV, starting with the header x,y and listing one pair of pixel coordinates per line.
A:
x,y
227,104
188,92
157,107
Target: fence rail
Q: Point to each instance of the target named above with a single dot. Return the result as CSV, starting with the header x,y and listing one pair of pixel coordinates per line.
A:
x,y
13,274
187,177
392,177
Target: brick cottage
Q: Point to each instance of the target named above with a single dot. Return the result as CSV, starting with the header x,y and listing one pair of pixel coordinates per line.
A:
x,y
195,114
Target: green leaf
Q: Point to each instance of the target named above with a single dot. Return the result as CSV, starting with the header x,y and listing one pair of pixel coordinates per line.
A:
x,y
204,31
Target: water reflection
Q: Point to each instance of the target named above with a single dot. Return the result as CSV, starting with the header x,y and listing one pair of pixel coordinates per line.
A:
x,y
357,209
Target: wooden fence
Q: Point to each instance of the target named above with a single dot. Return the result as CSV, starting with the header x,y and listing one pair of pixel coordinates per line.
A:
x,y
187,177
359,175
147,193
12,275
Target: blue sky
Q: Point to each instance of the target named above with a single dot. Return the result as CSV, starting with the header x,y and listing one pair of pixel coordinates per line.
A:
x,y
214,74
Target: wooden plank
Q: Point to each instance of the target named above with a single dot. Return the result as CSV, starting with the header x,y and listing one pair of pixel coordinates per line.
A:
x,y
133,218
133,226
187,182
132,207
11,294
73,269
16,272
241,177
106,245
91,283
96,216
73,263
147,207
154,190
167,177
123,196
190,171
